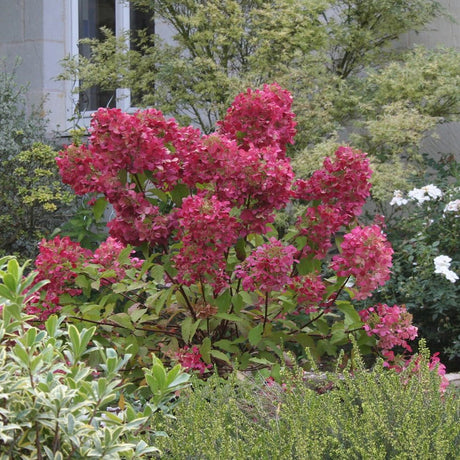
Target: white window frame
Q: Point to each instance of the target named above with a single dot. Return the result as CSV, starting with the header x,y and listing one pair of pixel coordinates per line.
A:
x,y
122,95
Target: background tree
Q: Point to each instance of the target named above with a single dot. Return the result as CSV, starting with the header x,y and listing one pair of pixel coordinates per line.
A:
x,y
337,58
33,199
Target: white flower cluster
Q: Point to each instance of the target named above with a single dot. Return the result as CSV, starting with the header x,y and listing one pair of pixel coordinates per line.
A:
x,y
452,206
425,193
442,266
398,199
420,195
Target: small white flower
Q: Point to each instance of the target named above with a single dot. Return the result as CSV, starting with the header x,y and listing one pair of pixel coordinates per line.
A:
x,y
425,193
417,194
452,206
398,199
432,191
442,266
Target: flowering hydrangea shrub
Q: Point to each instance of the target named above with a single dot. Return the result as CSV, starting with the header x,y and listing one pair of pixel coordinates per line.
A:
x,y
217,283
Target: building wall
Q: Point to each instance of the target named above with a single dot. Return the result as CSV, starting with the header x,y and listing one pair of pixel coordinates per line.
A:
x,y
441,33
37,31
40,31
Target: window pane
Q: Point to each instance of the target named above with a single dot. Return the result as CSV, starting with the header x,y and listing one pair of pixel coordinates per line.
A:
x,y
140,21
92,15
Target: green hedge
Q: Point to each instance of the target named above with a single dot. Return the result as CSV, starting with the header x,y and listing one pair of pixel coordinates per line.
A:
x,y
376,414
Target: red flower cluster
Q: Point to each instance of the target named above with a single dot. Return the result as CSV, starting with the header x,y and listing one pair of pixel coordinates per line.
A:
x,y
56,262
261,118
319,224
137,220
342,183
310,290
107,257
337,193
268,268
254,177
207,231
366,255
190,359
392,325
59,260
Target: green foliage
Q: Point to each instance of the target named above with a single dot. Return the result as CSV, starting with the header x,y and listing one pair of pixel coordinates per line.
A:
x,y
57,384
33,199
142,311
87,225
336,57
354,414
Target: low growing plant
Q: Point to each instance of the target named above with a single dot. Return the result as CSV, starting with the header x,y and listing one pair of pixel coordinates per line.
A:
x,y
353,414
57,386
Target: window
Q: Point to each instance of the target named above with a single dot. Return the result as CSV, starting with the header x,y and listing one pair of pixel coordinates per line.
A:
x,y
88,16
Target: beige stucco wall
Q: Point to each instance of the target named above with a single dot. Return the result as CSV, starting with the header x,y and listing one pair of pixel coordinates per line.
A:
x,y
39,32
35,30
443,32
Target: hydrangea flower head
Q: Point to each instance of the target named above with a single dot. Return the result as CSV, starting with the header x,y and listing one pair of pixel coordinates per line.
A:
x,y
261,118
392,325
452,206
191,359
343,182
366,255
268,268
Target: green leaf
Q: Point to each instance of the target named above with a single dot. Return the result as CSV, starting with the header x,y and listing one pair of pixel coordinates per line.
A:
x,y
263,361
255,335
157,272
228,316
351,315
308,265
205,350
240,249
136,314
123,319
338,334
224,301
10,282
99,207
227,345
14,271
237,302
178,193
188,328
20,353
219,355
6,293
29,337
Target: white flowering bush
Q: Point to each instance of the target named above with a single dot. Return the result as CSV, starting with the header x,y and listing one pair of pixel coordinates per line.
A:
x,y
426,264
